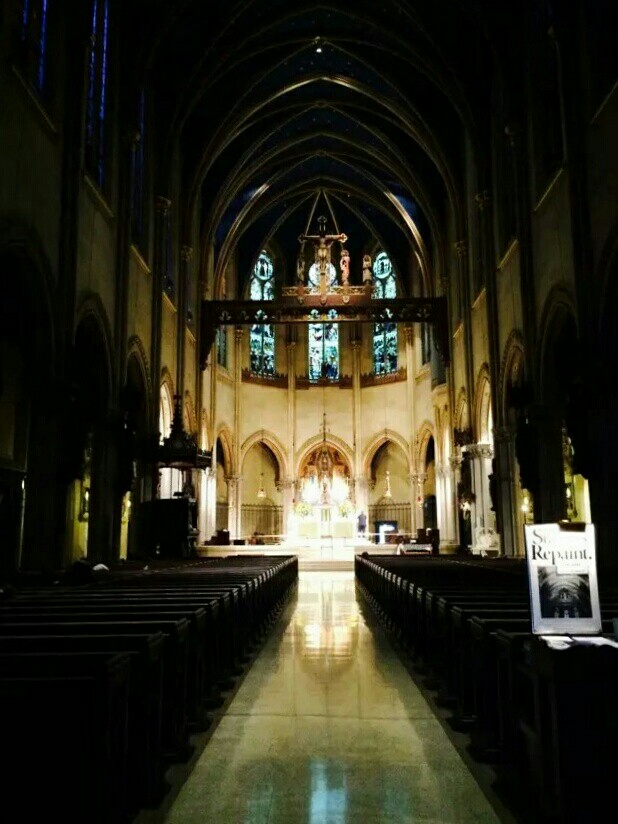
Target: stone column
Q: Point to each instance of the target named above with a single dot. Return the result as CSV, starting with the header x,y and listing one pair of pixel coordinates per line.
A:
x,y
287,488
481,514
357,435
186,254
291,364
418,482
236,524
446,508
506,488
234,512
461,248
455,462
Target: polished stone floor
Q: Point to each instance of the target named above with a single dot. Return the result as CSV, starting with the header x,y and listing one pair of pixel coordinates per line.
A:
x,y
328,727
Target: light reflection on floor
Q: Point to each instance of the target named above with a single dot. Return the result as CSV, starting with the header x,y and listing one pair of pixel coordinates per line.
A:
x,y
328,728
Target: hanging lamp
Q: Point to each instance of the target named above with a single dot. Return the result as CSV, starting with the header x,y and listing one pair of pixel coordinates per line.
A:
x,y
261,493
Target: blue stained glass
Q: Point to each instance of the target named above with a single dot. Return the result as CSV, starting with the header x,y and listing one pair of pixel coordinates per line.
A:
x,y
262,335
42,43
385,342
323,351
24,19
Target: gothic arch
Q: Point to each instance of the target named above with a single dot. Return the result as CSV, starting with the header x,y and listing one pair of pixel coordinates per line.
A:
x,y
136,348
273,443
137,353
558,311
462,414
189,407
387,436
425,432
483,412
511,370
91,315
332,440
224,437
205,431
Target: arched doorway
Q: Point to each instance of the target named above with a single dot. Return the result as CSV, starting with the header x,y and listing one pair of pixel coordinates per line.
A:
x,y
222,489
389,495
134,478
262,506
430,507
31,502
92,492
563,488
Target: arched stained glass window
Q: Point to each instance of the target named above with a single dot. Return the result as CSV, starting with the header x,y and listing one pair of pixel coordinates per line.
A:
x,y
33,41
262,335
96,110
384,334
324,350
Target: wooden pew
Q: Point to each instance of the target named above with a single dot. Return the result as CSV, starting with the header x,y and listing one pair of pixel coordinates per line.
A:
x,y
64,721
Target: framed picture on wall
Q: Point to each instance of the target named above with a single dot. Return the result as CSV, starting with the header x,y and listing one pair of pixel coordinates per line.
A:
x,y
562,575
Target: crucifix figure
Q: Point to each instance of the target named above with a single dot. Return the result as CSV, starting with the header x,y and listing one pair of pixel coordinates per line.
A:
x,y
322,243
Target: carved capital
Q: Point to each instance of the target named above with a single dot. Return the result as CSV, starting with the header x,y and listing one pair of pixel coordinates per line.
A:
x,y
162,204
238,333
480,450
482,199
409,332
186,253
512,135
461,247
455,462
504,434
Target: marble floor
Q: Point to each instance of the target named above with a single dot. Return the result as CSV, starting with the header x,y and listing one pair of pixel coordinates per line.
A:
x,y
328,727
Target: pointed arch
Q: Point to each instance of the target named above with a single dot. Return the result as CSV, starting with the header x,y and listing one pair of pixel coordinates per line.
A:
x,y
189,407
512,370
91,315
273,443
384,437
332,440
483,413
225,438
425,432
462,412
137,352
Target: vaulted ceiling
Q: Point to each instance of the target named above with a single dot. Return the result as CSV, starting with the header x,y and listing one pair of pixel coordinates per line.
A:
x,y
283,111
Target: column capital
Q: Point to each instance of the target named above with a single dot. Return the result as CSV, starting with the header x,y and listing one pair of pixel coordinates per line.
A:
x,y
238,333
409,332
461,247
455,462
482,200
504,434
186,253
162,204
480,450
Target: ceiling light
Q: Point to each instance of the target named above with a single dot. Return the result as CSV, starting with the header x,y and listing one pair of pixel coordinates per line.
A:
x,y
318,45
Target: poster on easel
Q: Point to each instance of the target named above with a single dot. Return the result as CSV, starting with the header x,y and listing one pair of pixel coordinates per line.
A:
x,y
562,574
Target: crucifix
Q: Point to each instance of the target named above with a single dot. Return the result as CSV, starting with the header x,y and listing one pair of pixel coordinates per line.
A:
x,y
322,243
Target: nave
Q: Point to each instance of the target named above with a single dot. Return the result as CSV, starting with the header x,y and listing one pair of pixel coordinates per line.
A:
x,y
328,727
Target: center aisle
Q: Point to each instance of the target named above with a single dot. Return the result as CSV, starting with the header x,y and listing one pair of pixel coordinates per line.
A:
x,y
327,728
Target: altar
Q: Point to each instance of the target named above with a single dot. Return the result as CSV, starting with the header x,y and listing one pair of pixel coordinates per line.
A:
x,y
323,522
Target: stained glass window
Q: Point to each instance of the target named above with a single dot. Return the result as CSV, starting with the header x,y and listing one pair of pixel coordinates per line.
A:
x,y
385,343
324,350
138,181
222,347
314,275
96,147
262,335
33,41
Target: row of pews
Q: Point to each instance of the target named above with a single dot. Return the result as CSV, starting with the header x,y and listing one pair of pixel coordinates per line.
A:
x,y
102,684
546,719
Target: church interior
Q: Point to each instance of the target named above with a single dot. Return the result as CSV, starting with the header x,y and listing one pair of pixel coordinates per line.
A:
x,y
290,291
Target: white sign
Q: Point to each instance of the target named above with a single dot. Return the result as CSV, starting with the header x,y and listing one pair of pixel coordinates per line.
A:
x,y
562,573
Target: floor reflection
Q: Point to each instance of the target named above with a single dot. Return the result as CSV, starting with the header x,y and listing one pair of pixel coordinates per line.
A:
x,y
328,728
